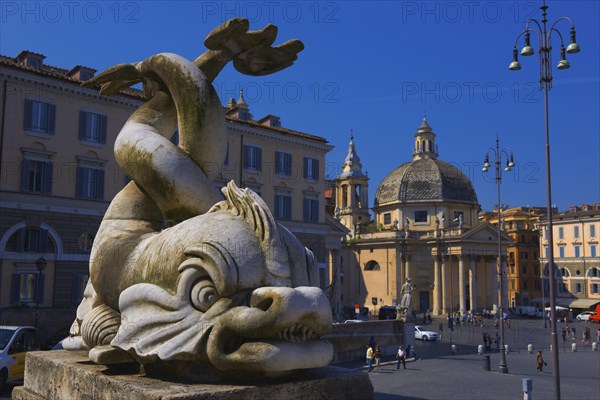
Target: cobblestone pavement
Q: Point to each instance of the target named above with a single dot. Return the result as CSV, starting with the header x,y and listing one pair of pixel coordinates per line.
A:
x,y
440,374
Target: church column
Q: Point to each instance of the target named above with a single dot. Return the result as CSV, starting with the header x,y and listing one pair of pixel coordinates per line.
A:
x,y
437,288
472,283
335,279
461,283
445,286
493,267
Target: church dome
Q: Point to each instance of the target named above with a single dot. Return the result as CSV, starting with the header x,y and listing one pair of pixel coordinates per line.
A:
x,y
425,180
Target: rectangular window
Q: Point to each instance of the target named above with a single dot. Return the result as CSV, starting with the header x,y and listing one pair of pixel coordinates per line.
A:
x,y
27,288
78,287
561,251
90,183
561,232
92,127
577,249
39,116
311,210
593,230
524,269
36,176
578,288
576,232
311,168
594,288
283,206
283,163
252,157
524,285
387,218
562,287
420,216
592,250
546,251
524,255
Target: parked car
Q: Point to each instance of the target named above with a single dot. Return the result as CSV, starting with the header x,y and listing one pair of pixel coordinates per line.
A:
x,y
15,342
585,316
423,334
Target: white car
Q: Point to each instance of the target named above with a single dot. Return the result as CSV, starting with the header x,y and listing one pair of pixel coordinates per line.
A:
x,y
585,316
423,334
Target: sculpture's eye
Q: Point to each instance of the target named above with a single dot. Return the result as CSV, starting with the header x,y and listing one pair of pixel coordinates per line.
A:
x,y
204,295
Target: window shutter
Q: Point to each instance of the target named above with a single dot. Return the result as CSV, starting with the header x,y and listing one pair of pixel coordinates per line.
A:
x,y
15,288
51,118
279,168
48,177
288,206
79,182
315,169
246,156
102,136
100,185
288,164
82,124
28,111
258,158
305,167
25,167
306,209
39,288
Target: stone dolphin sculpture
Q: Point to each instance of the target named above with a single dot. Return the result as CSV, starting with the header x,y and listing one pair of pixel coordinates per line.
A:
x,y
180,271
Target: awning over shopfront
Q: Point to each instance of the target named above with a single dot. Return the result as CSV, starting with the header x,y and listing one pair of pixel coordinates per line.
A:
x,y
584,303
571,302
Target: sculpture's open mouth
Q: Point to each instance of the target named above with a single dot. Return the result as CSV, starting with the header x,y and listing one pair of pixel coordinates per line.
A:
x,y
276,339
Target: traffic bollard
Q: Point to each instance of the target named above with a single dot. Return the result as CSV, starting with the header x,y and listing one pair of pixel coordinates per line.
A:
x,y
480,349
530,348
453,349
486,363
505,349
594,346
573,347
527,389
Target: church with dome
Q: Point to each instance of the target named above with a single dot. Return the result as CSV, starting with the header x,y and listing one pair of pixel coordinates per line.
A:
x,y
425,227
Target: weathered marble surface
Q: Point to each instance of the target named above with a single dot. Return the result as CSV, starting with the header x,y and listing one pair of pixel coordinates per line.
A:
x,y
70,375
181,273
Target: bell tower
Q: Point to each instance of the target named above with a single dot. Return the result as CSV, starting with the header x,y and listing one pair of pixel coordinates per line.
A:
x,y
352,187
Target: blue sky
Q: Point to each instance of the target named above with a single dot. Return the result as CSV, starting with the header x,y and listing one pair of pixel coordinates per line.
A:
x,y
375,68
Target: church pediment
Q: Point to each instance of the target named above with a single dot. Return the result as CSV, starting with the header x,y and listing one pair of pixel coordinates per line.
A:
x,y
485,232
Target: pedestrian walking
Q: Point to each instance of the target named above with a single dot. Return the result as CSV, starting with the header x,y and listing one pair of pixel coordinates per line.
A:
x,y
369,357
377,356
539,360
598,335
573,331
564,334
401,357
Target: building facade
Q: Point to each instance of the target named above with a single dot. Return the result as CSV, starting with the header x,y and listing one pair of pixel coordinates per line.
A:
x,y
425,227
59,176
524,274
577,272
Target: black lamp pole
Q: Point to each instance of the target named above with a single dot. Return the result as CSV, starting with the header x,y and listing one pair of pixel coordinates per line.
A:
x,y
502,367
40,264
545,41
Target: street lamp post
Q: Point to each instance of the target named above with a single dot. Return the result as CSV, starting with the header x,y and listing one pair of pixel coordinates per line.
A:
x,y
40,264
544,37
502,367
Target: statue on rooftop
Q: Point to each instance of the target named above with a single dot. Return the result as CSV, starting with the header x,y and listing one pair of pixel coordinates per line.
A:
x,y
180,272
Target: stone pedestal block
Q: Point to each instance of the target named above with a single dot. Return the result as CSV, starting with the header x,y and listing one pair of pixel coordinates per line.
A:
x,y
70,375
